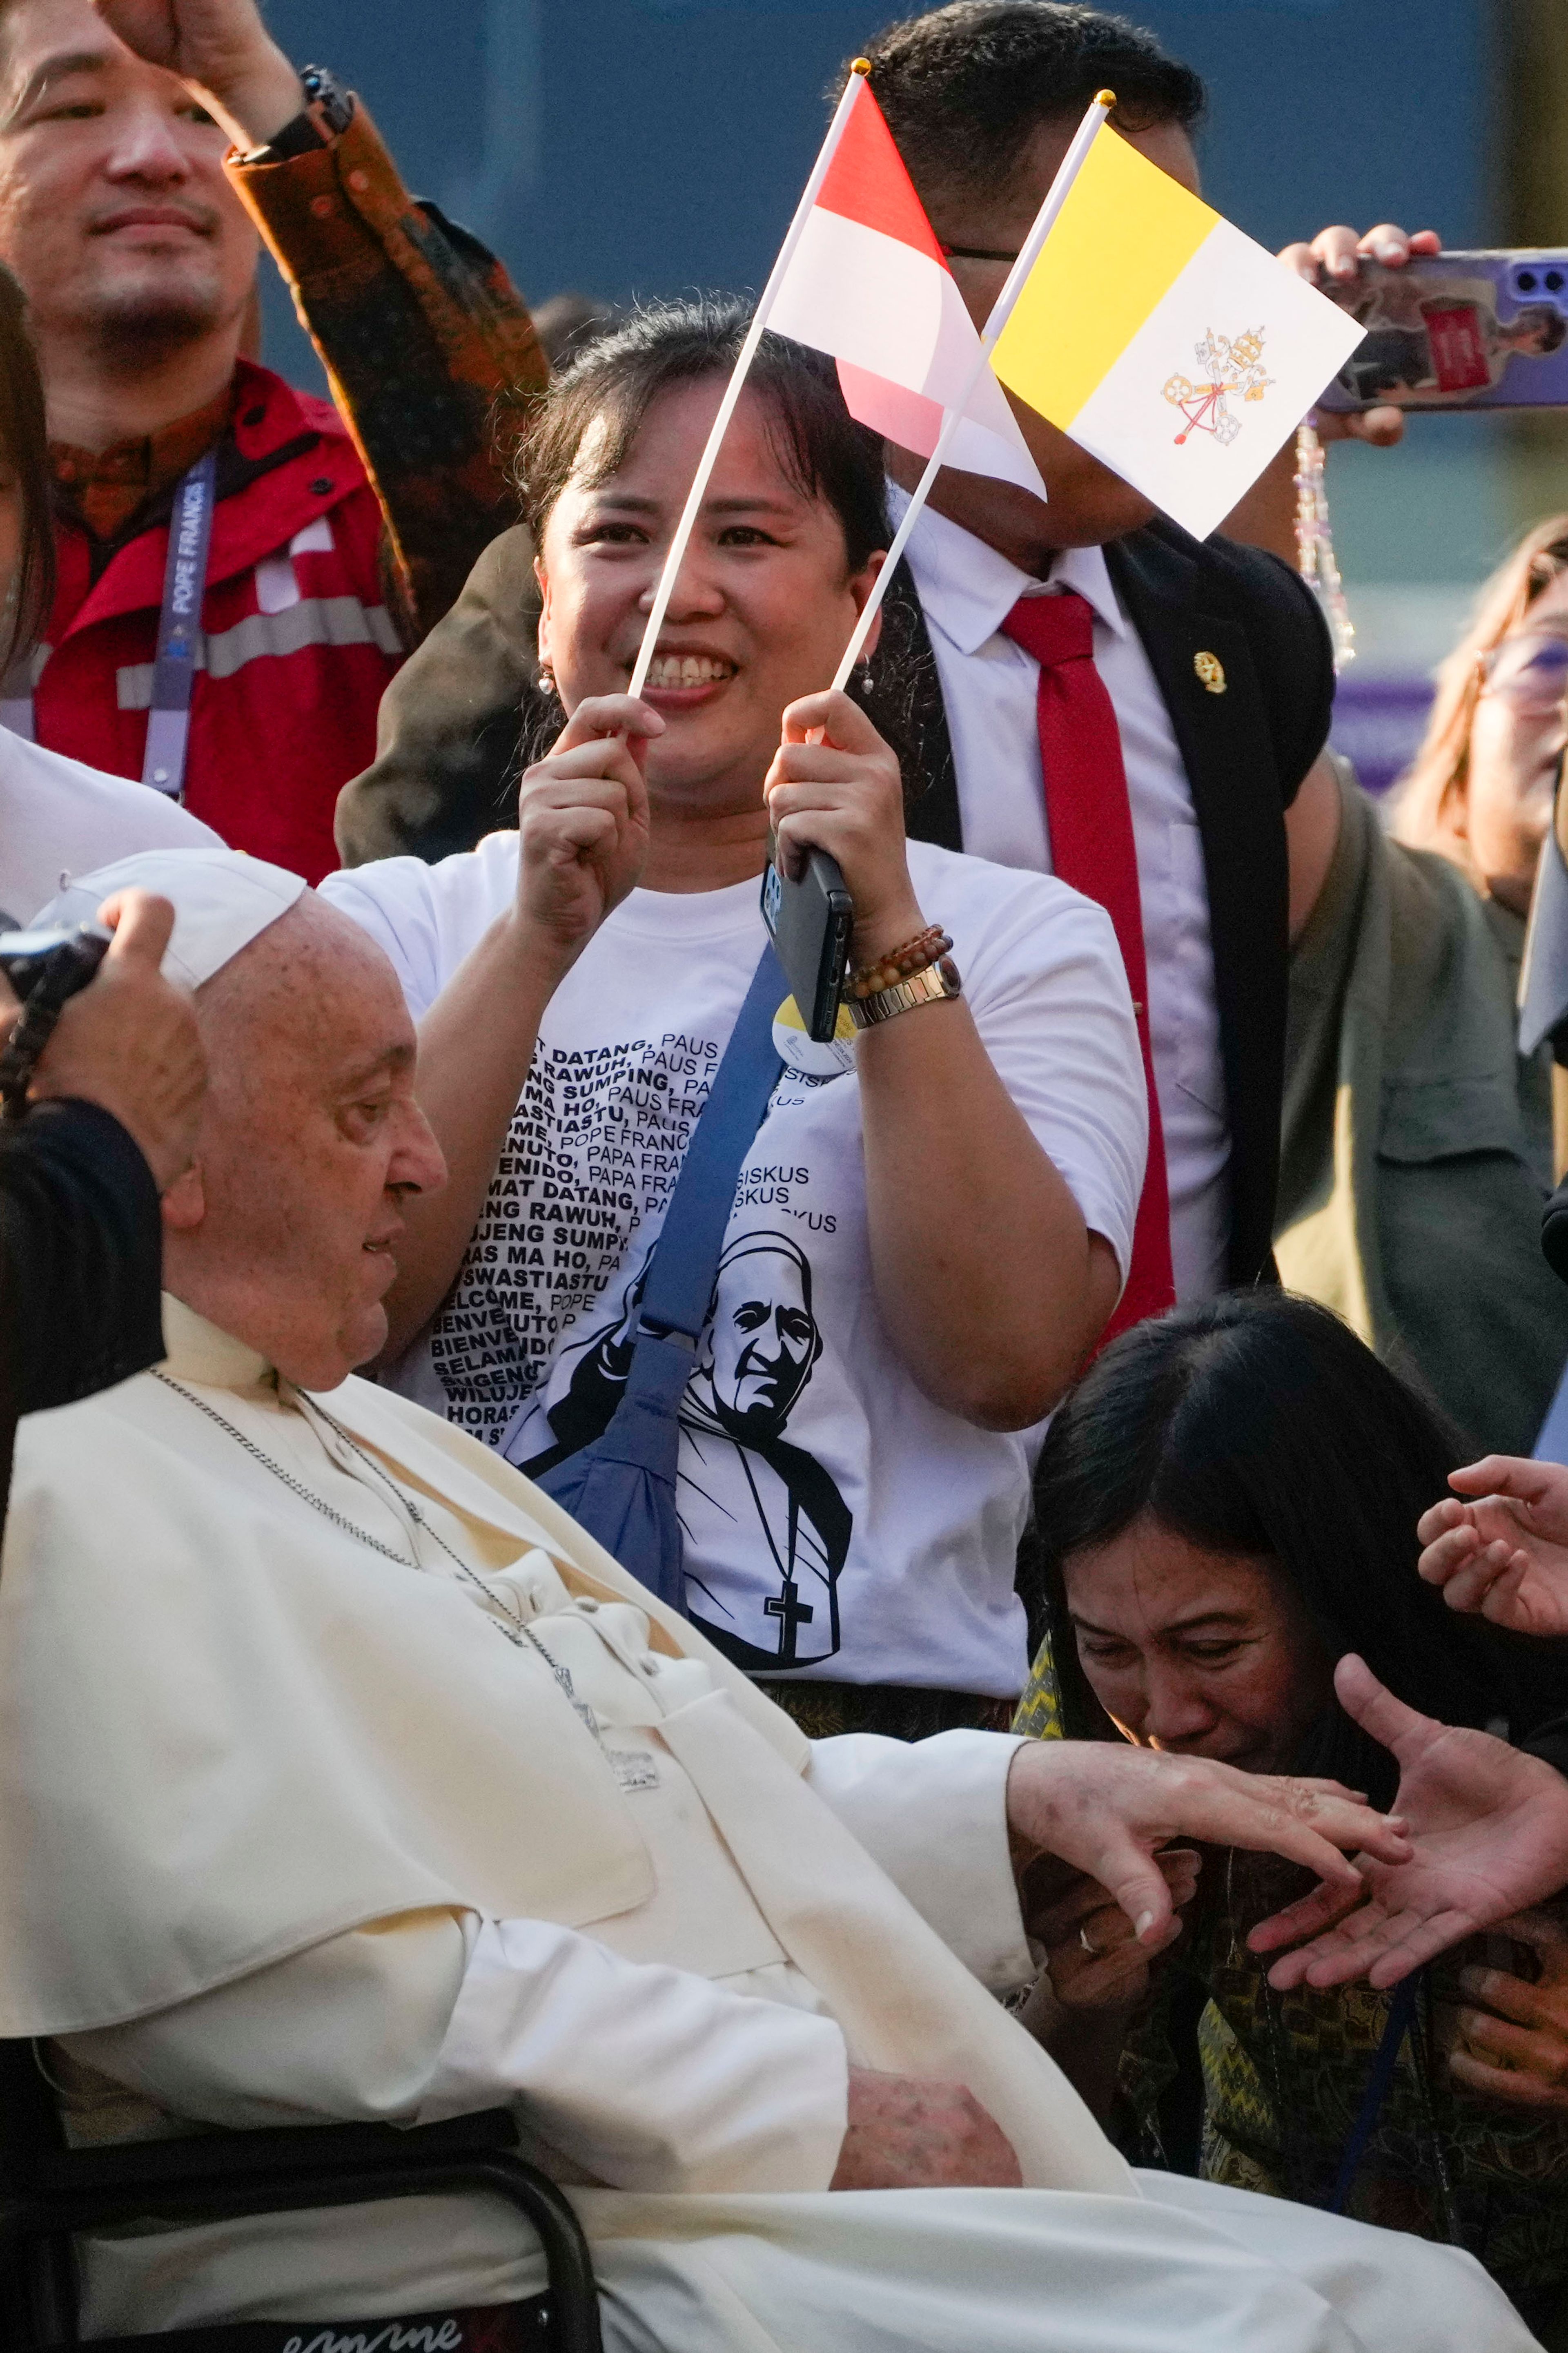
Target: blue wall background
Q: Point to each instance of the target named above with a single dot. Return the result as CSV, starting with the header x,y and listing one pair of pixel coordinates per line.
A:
x,y
641,147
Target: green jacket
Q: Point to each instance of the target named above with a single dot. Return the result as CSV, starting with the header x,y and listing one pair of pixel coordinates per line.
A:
x,y
1415,1154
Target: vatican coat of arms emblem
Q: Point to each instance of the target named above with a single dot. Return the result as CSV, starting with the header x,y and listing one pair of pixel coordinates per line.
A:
x,y
1232,370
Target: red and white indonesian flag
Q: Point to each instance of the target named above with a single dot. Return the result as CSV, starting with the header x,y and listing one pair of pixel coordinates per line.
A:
x,y
867,281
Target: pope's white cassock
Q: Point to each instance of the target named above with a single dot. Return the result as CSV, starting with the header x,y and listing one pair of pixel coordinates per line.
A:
x,y
299,1822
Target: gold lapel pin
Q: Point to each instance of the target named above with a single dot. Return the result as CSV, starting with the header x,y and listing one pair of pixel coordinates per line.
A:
x,y
1211,671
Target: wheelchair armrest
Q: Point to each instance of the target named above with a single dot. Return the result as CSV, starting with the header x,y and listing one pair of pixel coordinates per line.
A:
x,y
204,2160
217,2177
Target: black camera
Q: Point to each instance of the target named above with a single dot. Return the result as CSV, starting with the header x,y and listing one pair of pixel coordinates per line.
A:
x,y
45,969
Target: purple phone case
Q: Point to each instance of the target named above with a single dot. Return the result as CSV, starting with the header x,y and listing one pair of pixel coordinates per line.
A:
x,y
1458,331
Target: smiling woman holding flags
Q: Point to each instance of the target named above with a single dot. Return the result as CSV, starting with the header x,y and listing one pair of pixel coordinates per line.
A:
x,y
929,1219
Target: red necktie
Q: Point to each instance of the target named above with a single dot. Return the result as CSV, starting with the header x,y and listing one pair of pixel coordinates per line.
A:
x,y
1091,821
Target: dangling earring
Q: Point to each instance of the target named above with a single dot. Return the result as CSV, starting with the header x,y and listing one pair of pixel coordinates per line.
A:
x,y
546,679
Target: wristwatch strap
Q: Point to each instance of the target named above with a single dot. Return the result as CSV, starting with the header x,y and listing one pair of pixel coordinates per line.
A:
x,y
927,987
328,111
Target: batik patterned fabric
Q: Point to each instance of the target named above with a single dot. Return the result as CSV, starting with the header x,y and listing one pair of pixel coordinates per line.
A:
x,y
431,353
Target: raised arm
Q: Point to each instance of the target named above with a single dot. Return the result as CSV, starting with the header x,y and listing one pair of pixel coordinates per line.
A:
x,y
424,337
583,828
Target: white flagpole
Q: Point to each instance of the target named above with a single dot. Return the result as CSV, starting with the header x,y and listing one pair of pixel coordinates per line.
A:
x,y
1001,311
694,497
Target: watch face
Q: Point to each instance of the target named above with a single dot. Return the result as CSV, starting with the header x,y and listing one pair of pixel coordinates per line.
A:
x,y
325,95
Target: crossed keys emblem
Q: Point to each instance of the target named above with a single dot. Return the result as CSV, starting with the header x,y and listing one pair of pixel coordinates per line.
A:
x,y
1233,371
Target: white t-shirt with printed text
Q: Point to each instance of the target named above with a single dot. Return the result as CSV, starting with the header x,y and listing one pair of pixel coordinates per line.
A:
x,y
835,1521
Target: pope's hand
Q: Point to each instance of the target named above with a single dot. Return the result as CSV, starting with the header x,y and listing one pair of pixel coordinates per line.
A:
x,y
129,1040
1504,1554
1488,1833
907,2134
222,48
582,824
1105,1808
1334,258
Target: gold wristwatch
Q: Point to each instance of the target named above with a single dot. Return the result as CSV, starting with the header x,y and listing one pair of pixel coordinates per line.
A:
x,y
927,987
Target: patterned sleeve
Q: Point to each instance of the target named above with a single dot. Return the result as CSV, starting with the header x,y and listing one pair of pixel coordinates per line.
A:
x,y
429,346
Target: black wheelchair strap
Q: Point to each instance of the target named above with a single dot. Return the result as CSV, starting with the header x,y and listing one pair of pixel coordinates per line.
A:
x,y
522,2328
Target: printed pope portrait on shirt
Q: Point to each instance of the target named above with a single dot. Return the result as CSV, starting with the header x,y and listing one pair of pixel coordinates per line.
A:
x,y
740,1480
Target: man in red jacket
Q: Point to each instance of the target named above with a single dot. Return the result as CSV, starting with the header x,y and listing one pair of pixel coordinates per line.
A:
x,y
242,668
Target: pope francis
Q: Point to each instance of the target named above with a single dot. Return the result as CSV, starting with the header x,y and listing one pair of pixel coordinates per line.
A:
x,y
342,1777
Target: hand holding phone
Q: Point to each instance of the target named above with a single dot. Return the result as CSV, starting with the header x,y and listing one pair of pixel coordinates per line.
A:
x,y
811,920
1480,329
841,885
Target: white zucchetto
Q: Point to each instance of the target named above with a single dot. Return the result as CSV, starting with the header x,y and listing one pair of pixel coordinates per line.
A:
x,y
222,900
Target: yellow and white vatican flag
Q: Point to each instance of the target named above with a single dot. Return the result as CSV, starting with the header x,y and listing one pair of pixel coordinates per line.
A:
x,y
1164,342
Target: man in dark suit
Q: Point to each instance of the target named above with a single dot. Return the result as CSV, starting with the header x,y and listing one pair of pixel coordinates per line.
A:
x,y
1208,667
1214,657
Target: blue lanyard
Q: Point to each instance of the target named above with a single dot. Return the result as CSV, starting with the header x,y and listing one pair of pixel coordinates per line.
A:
x,y
179,637
1401,2018
180,628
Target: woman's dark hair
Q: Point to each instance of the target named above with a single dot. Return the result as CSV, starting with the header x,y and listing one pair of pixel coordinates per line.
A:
x,y
25,446
964,87
1259,1424
614,384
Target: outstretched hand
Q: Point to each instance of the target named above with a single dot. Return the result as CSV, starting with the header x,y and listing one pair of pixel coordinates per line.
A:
x,y
1488,1829
1106,1809
1505,1554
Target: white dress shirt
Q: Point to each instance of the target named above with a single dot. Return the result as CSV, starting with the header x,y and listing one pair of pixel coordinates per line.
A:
x,y
988,685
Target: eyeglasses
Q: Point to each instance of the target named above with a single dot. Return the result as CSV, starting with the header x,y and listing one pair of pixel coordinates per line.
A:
x,y
1531,672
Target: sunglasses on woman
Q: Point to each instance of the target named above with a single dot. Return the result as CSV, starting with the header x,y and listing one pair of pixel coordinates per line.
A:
x,y
1529,670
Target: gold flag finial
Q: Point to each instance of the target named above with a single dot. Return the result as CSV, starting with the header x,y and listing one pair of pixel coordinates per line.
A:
x,y
1106,98
861,65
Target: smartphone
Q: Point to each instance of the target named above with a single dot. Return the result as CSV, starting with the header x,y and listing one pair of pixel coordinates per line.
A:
x,y
810,922
1458,331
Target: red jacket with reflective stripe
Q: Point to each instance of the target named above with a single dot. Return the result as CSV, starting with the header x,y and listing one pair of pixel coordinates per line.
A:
x,y
299,640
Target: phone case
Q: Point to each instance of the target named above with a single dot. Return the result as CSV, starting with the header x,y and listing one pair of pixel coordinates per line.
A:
x,y
1458,331
810,922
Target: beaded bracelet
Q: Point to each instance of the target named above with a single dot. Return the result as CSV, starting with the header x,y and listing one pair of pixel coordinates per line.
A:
x,y
918,955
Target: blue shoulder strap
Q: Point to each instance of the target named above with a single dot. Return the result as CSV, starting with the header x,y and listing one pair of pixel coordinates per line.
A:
x,y
621,1486
686,1256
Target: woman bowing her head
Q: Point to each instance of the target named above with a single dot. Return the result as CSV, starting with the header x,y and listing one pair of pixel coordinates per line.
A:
x,y
932,1216
1230,1501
